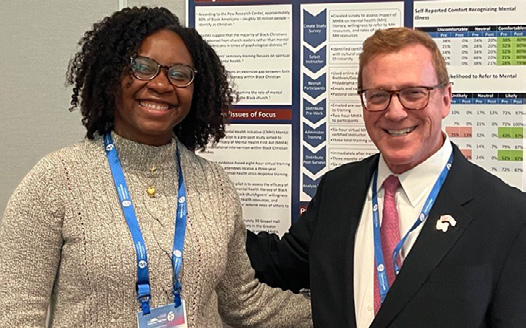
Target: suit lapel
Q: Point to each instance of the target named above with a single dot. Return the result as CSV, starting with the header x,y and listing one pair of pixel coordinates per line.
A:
x,y
432,245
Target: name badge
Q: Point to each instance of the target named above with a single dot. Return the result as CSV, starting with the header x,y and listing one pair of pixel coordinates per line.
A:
x,y
163,317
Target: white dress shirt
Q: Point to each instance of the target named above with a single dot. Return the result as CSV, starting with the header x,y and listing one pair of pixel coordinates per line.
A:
x,y
416,184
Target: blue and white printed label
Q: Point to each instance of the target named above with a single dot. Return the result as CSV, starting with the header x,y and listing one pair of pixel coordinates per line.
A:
x,y
163,317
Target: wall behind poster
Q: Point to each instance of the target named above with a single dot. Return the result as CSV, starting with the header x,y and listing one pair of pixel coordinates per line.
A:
x,y
295,66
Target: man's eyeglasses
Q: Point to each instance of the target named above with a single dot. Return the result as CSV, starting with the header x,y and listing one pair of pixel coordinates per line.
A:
x,y
144,68
412,98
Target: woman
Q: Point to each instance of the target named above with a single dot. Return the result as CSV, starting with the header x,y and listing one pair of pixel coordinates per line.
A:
x,y
90,230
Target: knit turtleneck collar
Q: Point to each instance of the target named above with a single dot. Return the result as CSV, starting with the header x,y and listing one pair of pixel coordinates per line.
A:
x,y
137,156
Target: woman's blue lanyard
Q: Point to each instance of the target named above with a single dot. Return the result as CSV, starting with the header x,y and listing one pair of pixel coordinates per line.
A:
x,y
143,281
378,253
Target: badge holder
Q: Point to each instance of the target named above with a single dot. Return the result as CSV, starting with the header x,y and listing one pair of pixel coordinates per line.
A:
x,y
163,317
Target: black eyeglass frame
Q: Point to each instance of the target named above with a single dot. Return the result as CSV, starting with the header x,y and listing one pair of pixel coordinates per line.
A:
x,y
166,67
397,92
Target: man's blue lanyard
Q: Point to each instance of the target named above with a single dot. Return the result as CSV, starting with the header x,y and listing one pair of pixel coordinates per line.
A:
x,y
378,253
143,281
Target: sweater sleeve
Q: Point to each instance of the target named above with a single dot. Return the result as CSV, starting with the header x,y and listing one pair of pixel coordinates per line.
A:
x,y
243,300
30,246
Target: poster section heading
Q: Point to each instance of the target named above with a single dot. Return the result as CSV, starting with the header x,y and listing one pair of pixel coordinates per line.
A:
x,y
261,114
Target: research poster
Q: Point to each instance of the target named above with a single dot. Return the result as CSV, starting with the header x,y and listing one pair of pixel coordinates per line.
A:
x,y
294,65
486,56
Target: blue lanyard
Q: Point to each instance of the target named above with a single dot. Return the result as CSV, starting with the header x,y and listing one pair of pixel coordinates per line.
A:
x,y
378,253
143,280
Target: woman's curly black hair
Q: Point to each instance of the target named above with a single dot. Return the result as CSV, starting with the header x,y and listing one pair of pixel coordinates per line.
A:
x,y
95,73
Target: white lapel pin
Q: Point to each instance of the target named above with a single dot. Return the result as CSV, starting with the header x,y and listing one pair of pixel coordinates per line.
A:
x,y
444,222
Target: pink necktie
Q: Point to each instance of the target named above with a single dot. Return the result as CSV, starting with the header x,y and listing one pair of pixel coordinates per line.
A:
x,y
389,235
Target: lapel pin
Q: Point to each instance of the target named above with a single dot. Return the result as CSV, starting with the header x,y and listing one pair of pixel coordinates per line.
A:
x,y
444,222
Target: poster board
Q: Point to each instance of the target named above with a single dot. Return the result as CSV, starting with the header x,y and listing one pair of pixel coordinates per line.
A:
x,y
295,64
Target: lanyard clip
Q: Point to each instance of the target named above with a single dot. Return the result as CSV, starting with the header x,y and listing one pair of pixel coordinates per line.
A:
x,y
144,296
176,292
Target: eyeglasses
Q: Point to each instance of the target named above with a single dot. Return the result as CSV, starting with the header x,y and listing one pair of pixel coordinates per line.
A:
x,y
412,98
146,69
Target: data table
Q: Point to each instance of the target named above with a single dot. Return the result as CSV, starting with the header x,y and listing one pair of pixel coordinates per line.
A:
x,y
481,45
488,128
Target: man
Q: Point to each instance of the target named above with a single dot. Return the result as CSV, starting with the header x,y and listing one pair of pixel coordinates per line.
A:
x,y
459,258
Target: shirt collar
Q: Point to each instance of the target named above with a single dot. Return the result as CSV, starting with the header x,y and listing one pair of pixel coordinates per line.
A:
x,y
417,182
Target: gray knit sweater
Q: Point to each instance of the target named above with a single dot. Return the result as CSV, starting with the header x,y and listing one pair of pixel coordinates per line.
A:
x,y
64,241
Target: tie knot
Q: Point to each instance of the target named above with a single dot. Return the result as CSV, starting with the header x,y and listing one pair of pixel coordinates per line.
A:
x,y
391,184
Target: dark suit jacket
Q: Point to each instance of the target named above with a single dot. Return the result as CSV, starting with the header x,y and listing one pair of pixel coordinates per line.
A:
x,y
473,275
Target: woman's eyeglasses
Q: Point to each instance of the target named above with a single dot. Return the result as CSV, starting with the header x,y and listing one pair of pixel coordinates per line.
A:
x,y
146,69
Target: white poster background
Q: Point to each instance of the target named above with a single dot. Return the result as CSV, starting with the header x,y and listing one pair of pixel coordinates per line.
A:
x,y
258,160
255,45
